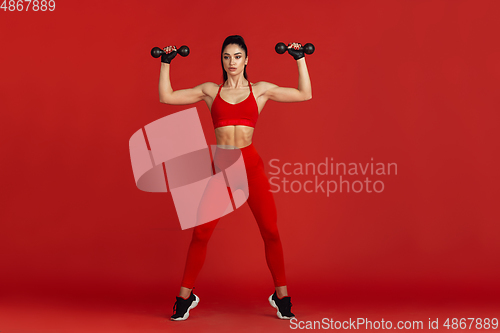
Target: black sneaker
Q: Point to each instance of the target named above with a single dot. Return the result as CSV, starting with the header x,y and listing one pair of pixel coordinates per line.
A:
x,y
182,306
283,305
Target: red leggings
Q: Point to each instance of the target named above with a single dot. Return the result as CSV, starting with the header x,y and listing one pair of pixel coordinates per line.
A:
x,y
261,202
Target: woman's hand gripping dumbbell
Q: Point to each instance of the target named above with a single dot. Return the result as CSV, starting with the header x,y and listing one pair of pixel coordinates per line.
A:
x,y
295,49
168,53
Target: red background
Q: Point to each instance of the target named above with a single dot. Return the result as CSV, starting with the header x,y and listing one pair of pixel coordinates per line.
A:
x,y
406,82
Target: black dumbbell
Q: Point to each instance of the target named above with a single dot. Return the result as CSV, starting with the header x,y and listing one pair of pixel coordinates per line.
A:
x,y
282,48
156,52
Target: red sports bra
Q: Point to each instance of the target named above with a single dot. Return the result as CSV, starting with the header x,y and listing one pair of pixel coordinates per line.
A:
x,y
245,112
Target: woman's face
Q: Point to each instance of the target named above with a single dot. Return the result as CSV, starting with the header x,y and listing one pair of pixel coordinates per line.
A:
x,y
234,59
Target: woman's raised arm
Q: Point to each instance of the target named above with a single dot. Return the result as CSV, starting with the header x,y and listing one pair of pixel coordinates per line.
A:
x,y
178,97
302,93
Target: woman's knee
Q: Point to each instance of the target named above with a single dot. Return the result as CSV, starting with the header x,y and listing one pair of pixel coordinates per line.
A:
x,y
270,234
202,233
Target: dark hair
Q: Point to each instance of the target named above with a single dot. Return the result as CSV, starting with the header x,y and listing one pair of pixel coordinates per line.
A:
x,y
238,40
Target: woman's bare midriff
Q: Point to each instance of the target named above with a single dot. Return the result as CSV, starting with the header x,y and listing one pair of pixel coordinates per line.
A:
x,y
238,136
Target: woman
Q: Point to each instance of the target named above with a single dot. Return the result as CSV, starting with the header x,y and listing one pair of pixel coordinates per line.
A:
x,y
235,106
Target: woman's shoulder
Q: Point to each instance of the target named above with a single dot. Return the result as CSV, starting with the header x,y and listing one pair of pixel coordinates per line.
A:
x,y
261,87
208,88
209,85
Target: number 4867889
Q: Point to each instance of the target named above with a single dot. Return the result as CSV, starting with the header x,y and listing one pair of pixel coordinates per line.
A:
x,y
34,5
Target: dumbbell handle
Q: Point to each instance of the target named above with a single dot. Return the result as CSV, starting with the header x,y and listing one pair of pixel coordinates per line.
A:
x,y
299,49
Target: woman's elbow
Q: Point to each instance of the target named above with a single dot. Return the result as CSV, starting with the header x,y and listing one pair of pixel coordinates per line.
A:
x,y
308,97
165,99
